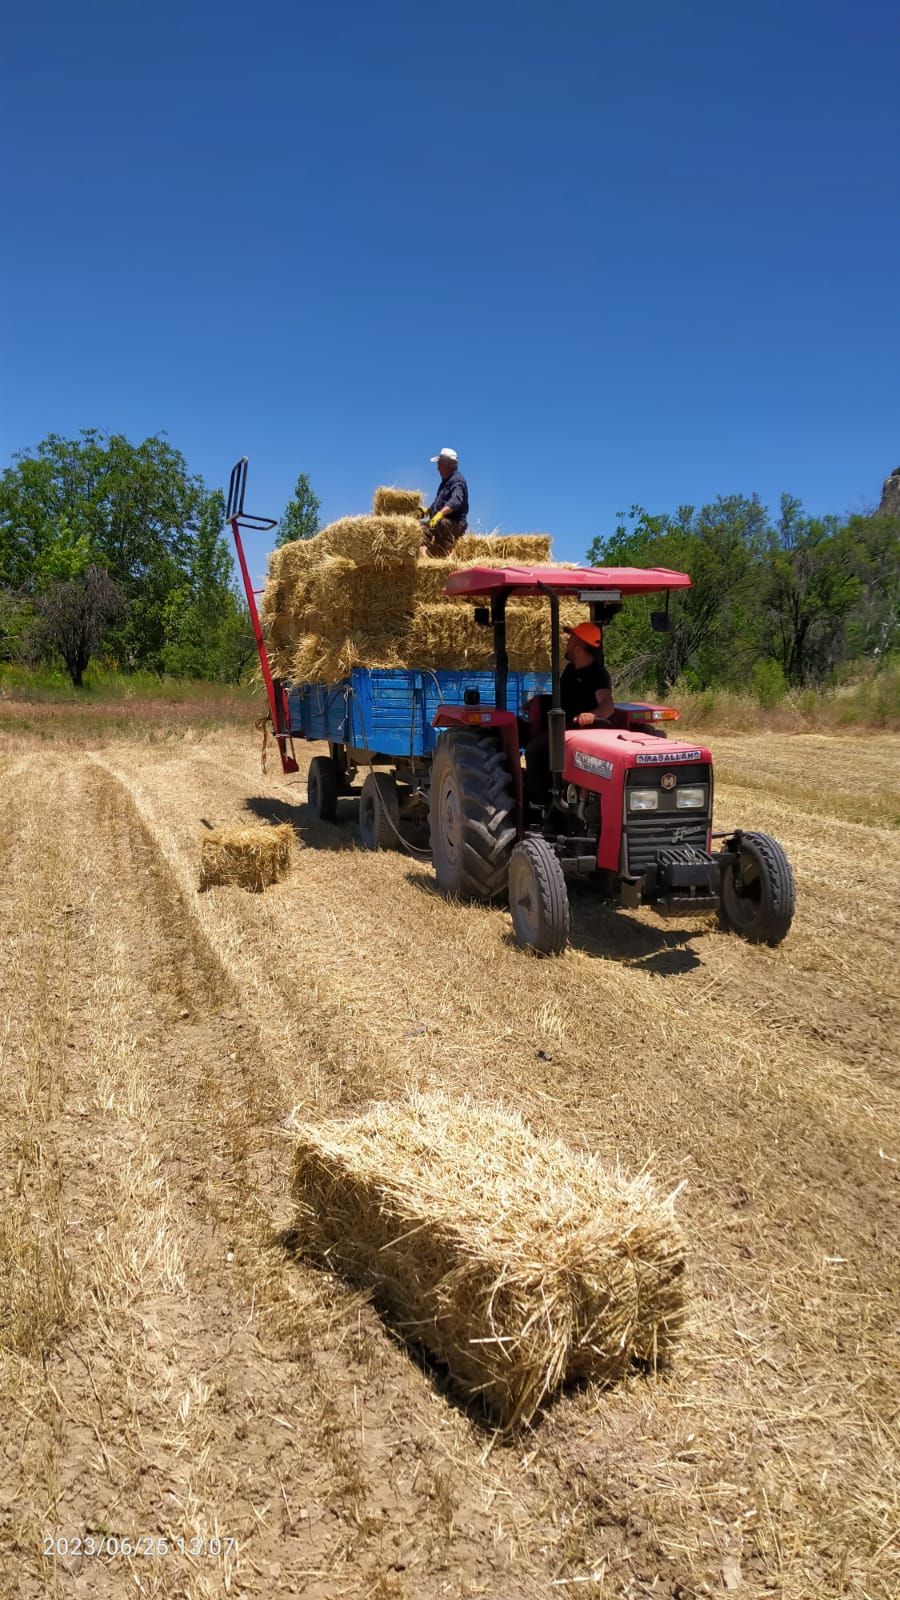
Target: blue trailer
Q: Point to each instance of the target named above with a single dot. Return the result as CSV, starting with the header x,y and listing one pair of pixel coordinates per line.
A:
x,y
384,724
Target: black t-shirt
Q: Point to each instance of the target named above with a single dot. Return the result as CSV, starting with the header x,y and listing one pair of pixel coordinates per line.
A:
x,y
578,688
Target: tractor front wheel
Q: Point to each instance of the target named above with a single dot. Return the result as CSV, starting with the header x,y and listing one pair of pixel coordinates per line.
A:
x,y
472,815
322,786
757,890
538,898
379,812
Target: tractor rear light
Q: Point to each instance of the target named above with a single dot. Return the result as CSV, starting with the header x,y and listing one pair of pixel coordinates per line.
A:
x,y
669,714
643,800
688,799
478,716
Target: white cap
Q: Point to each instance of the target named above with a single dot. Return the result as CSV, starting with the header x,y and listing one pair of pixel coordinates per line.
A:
x,y
446,455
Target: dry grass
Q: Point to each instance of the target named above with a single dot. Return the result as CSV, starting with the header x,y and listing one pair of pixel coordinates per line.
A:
x,y
250,858
165,1361
516,1262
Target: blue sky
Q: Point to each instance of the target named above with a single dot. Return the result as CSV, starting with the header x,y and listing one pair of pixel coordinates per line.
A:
x,y
611,253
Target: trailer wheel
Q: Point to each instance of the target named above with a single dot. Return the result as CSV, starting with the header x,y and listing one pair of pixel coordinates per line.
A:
x,y
757,891
472,815
538,898
322,788
379,812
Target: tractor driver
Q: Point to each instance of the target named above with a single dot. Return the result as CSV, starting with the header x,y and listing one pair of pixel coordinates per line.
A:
x,y
447,514
585,692
585,688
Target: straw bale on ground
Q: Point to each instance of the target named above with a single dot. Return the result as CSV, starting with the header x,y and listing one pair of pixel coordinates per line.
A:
x,y
513,1260
392,502
252,858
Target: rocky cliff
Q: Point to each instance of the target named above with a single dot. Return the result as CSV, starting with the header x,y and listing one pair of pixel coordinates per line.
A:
x,y
890,495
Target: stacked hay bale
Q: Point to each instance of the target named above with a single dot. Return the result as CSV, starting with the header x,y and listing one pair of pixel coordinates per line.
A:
x,y
515,1261
360,594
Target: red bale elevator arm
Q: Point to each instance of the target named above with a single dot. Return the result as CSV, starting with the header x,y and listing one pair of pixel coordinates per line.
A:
x,y
275,690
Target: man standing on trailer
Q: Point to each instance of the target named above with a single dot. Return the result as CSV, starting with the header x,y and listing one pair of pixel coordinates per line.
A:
x,y
447,515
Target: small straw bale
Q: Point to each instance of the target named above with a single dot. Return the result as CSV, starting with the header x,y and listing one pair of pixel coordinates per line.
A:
x,y
252,858
378,542
392,502
495,549
292,561
515,1261
528,636
329,603
317,659
431,579
346,598
442,635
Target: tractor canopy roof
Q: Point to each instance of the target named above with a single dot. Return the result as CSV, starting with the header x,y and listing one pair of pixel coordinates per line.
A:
x,y
605,583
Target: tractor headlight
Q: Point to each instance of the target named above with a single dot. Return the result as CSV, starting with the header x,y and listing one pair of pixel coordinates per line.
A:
x,y
643,800
688,799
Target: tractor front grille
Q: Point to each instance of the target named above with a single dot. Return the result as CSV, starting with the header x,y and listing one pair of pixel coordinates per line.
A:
x,y
649,832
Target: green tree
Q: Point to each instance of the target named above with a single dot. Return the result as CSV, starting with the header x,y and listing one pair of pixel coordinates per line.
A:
x,y
135,510
301,514
206,624
810,589
713,628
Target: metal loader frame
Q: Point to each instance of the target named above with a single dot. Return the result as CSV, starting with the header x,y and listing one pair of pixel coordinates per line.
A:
x,y
276,690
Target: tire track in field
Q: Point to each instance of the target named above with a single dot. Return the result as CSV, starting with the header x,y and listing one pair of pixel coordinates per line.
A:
x,y
226,1388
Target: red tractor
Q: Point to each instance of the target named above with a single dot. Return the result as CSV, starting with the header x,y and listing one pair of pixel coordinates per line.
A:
x,y
629,809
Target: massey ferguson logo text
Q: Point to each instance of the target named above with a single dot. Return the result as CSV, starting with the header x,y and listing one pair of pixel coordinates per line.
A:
x,y
595,764
665,757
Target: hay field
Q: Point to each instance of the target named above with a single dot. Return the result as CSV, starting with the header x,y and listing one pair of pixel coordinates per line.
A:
x,y
170,1367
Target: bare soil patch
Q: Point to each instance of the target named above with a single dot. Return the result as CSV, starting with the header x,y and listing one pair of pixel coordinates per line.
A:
x,y
170,1366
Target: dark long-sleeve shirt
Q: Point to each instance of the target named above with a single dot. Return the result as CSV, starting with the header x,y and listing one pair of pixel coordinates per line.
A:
x,y
453,493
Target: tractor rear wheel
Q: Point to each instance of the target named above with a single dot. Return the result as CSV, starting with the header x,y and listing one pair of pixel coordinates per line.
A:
x,y
322,788
757,891
472,815
379,812
538,898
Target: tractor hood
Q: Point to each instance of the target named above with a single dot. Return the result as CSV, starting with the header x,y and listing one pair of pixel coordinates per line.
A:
x,y
612,763
594,756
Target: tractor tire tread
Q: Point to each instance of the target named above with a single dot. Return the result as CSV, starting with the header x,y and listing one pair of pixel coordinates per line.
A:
x,y
772,928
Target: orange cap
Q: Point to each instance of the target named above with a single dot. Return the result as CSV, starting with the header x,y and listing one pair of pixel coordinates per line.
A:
x,y
588,633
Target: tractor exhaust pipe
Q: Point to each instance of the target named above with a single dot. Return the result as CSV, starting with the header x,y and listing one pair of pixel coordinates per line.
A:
x,y
556,738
